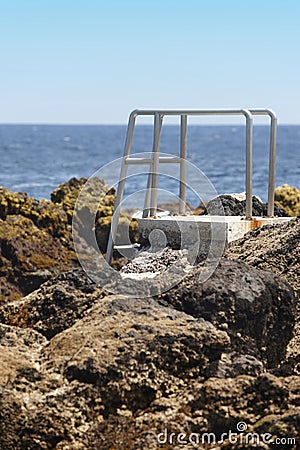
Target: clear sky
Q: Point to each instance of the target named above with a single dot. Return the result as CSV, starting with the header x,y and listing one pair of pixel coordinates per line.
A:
x,y
93,61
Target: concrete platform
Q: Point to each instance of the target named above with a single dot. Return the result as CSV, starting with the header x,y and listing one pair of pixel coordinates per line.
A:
x,y
186,231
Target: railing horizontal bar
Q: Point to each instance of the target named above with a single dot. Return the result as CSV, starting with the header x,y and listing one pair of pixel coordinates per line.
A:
x,y
162,159
262,112
138,160
189,112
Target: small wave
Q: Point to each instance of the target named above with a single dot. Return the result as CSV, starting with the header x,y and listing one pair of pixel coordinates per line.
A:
x,y
31,185
16,145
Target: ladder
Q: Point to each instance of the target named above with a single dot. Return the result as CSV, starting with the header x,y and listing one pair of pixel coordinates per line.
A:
x,y
150,204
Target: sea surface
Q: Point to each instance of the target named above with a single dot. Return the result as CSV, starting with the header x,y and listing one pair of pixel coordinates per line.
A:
x,y
37,158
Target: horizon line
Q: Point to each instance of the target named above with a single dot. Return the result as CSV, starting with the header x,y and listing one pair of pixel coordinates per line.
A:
x,y
126,123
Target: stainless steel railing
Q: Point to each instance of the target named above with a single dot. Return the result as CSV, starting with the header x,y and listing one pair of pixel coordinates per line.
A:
x,y
150,205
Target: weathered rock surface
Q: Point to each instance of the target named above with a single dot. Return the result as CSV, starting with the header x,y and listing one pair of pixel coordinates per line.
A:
x,y
81,369
67,193
36,235
29,255
85,370
56,306
276,248
272,247
288,198
255,307
266,404
150,262
96,205
118,358
35,242
235,205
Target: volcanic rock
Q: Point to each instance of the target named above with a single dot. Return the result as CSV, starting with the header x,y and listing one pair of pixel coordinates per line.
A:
x,y
256,307
118,358
81,369
55,306
276,248
288,198
29,255
235,205
36,235
67,193
272,247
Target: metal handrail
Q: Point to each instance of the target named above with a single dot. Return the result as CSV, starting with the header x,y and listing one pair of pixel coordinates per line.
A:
x,y
150,205
272,154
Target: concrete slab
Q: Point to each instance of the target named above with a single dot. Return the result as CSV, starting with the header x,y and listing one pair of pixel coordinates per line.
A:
x,y
185,231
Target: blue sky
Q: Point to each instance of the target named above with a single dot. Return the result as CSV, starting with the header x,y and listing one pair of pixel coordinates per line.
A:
x,y
88,61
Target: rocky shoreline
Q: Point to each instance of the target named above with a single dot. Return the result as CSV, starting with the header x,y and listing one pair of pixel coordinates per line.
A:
x,y
36,235
84,369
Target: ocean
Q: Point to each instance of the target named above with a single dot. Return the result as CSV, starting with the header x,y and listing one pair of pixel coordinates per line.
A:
x,y
37,158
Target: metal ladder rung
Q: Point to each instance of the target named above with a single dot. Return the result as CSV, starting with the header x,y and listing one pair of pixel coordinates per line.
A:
x,y
127,246
129,251
162,159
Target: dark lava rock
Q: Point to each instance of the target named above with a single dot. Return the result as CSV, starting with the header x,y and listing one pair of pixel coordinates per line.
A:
x,y
256,307
276,248
272,247
114,372
121,358
126,343
233,364
235,205
241,399
83,370
55,306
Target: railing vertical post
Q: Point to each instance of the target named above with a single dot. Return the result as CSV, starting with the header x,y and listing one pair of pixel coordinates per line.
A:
x,y
146,209
182,188
272,164
272,155
120,189
249,143
155,166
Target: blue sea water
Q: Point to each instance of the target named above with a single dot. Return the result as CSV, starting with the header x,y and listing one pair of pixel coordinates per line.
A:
x,y
37,158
